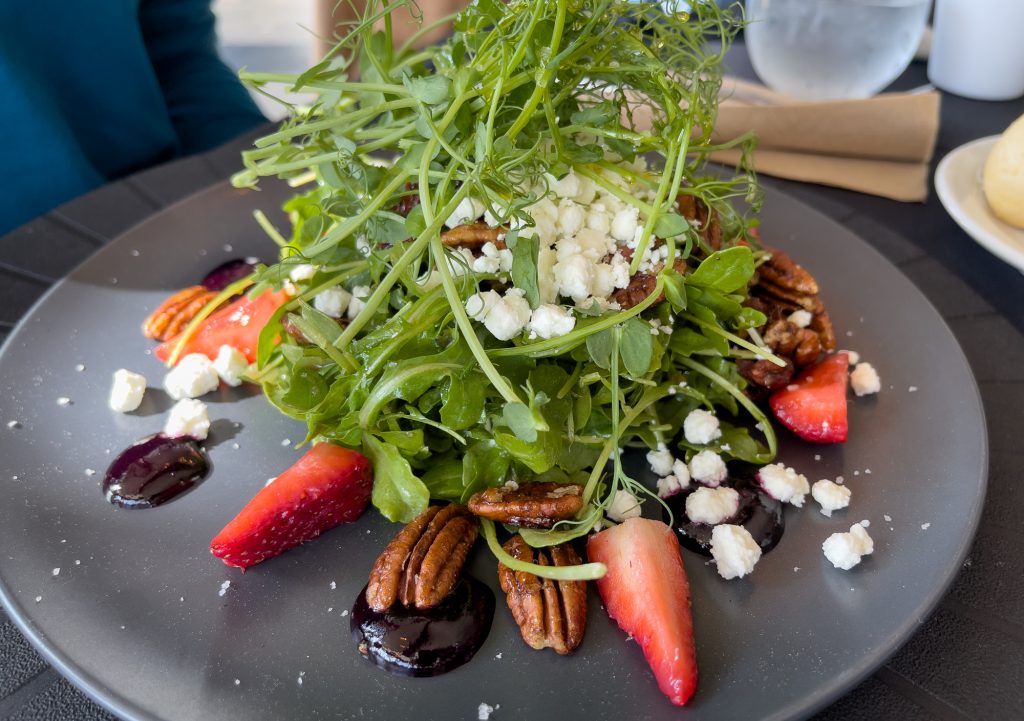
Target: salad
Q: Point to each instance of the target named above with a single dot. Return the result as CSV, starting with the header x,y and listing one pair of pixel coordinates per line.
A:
x,y
509,263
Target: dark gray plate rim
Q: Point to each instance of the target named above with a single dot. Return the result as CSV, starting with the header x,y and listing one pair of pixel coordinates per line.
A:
x,y
827,691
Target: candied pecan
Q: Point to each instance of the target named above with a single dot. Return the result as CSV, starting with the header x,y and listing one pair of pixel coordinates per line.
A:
x,y
531,505
171,316
473,236
822,325
808,348
409,200
640,286
693,208
550,614
781,336
782,271
421,565
765,374
808,302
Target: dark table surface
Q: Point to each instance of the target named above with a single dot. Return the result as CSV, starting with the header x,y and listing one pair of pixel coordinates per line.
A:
x,y
965,662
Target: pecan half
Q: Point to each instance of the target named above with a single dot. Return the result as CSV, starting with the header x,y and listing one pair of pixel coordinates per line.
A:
x,y
171,316
784,272
531,505
550,614
808,348
422,563
693,208
765,374
473,236
822,325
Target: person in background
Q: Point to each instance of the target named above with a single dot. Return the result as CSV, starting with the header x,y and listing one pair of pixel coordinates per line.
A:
x,y
334,15
93,91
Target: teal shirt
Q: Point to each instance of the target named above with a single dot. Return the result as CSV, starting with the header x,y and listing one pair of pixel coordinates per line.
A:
x,y
91,90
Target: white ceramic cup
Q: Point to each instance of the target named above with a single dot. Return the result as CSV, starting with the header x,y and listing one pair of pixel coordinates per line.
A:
x,y
978,48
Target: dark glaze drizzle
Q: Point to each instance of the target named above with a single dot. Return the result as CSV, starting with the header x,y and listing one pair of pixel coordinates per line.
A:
x,y
758,512
228,272
411,642
155,470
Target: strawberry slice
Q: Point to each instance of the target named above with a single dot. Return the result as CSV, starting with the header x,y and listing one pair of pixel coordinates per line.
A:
x,y
647,594
237,324
327,486
814,405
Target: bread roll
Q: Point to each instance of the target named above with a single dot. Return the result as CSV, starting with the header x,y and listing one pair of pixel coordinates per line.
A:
x,y
1003,179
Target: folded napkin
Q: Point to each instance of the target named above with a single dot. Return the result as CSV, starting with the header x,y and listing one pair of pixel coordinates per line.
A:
x,y
880,145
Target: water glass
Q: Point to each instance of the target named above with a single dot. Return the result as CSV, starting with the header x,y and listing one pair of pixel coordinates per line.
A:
x,y
833,49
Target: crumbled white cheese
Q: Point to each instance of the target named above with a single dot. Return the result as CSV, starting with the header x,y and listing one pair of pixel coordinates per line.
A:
x,y
230,364
574,276
625,224
800,318
831,496
571,218
194,376
355,306
502,255
484,711
661,460
305,271
707,467
479,305
784,484
188,417
551,321
624,505
734,550
127,391
332,302
676,482
508,316
599,219
712,505
467,211
567,186
852,356
845,550
701,427
864,380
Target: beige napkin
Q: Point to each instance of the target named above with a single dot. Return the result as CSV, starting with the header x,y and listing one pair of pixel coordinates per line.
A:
x,y
880,146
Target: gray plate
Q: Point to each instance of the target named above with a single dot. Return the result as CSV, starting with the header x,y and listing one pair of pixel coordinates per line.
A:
x,y
135,616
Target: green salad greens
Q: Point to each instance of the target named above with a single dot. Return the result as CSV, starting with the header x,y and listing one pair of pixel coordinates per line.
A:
x,y
562,341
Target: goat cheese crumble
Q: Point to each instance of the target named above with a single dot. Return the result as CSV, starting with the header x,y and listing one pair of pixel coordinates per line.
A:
x,y
734,550
701,427
230,364
188,417
127,391
830,496
707,467
712,505
864,380
194,376
624,505
784,484
845,550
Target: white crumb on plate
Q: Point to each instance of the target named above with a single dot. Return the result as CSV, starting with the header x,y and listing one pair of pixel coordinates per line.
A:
x,y
925,526
497,656
38,599
484,711
912,389
286,442
224,588
64,401
887,518
14,424
80,367
56,572
90,472
344,613
238,681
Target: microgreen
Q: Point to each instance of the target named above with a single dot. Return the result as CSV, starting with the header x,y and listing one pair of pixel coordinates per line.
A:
x,y
519,95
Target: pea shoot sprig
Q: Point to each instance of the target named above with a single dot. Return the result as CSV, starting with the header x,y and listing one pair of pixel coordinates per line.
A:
x,y
520,94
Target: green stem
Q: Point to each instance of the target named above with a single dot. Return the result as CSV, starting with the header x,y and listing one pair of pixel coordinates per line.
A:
x,y
582,572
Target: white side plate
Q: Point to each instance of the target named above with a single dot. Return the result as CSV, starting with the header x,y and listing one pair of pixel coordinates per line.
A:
x,y
958,183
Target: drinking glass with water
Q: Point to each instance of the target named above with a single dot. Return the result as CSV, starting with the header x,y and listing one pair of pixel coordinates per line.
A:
x,y
833,49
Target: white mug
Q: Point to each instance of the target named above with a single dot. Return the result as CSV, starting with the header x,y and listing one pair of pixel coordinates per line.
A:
x,y
977,50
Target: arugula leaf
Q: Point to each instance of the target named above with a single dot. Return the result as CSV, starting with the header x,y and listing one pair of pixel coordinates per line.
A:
x,y
397,493
636,347
726,270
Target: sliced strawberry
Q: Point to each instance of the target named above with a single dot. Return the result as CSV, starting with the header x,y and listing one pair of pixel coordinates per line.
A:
x,y
327,486
647,594
237,324
814,405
